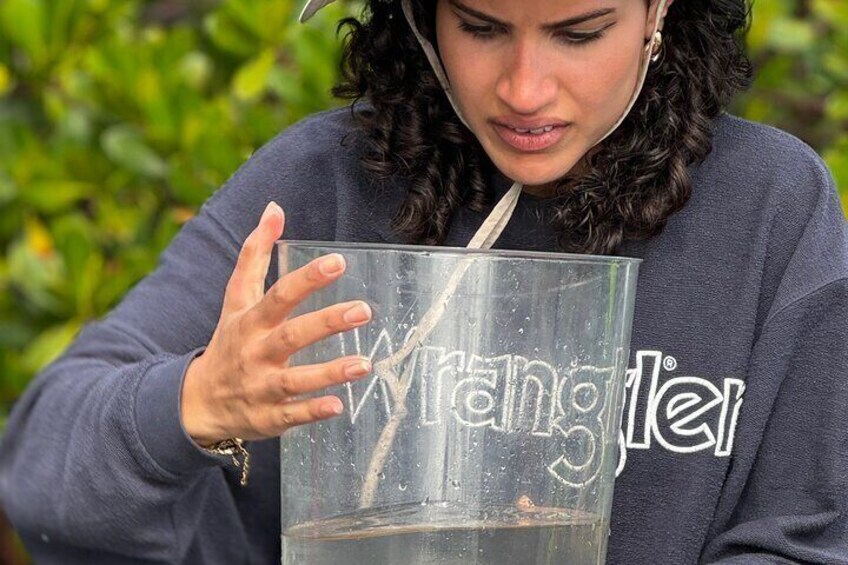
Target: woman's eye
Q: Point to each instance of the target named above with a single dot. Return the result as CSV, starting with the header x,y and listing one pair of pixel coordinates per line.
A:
x,y
580,38
478,31
570,37
583,37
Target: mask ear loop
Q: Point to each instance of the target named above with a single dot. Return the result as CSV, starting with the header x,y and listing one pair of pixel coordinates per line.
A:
x,y
643,73
432,57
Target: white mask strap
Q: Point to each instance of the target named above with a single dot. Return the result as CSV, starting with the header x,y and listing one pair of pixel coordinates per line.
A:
x,y
497,220
645,65
433,57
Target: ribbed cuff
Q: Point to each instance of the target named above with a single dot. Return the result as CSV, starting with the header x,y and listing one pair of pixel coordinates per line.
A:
x,y
159,422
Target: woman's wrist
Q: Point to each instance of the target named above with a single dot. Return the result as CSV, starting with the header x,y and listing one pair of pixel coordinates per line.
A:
x,y
193,413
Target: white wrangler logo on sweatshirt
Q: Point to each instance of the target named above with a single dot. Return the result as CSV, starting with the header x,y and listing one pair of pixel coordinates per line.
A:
x,y
512,394
683,414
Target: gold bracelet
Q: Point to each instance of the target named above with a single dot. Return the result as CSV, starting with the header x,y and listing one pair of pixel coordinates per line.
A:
x,y
233,448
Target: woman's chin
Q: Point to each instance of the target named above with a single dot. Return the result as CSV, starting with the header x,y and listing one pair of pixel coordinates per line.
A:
x,y
529,176
534,170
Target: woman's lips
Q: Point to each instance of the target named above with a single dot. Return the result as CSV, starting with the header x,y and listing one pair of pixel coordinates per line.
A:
x,y
530,142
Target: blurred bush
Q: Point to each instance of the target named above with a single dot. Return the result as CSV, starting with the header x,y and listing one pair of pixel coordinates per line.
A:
x,y
118,118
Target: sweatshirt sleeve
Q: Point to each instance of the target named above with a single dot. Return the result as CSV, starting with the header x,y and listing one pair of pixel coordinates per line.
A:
x,y
785,498
794,503
95,457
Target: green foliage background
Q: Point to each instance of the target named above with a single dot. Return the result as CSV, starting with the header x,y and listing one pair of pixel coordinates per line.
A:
x,y
118,118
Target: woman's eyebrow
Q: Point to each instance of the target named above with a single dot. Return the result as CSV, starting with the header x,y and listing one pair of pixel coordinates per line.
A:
x,y
582,18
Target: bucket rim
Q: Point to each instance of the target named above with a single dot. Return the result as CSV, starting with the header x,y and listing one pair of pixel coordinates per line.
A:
x,y
339,246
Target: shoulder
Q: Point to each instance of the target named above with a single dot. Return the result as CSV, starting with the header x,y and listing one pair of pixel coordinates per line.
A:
x,y
764,140
315,134
769,196
759,173
769,162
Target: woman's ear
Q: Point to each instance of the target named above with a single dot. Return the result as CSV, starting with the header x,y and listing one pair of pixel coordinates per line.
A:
x,y
658,11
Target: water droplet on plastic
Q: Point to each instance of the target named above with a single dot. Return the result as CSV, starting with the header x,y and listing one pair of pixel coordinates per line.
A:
x,y
402,487
455,484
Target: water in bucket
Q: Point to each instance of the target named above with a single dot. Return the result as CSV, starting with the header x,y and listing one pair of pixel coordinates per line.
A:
x,y
488,432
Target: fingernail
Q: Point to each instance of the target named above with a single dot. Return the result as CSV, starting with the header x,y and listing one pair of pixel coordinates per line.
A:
x,y
272,208
331,264
333,409
357,369
358,314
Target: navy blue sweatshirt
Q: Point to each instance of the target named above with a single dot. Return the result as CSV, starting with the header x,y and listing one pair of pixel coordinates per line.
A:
x,y
735,431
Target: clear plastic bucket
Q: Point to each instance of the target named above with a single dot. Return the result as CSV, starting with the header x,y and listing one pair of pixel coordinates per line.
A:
x,y
488,432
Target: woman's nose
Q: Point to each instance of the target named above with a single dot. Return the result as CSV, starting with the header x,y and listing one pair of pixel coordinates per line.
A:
x,y
527,84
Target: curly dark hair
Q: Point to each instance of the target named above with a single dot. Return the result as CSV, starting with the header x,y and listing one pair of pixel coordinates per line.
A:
x,y
631,185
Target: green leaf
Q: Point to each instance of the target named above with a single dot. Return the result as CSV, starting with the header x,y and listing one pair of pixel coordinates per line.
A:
x,y
24,23
833,11
196,69
791,35
8,190
124,145
51,196
837,106
49,345
5,80
252,79
228,36
36,275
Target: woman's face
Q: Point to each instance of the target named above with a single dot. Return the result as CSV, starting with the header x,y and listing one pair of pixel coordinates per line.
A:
x,y
563,69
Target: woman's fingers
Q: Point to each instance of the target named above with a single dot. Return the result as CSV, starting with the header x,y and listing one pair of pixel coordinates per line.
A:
x,y
277,405
296,381
294,287
302,331
247,283
272,420
300,412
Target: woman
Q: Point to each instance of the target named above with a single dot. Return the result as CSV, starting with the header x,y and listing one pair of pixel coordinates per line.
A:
x,y
734,437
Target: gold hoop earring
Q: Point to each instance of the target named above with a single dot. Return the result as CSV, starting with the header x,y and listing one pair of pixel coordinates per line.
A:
x,y
656,51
